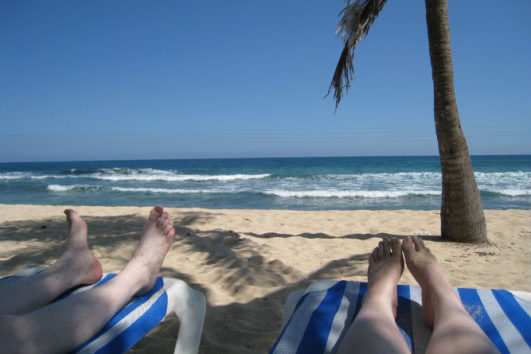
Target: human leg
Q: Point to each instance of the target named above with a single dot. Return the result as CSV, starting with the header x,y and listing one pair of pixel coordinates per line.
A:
x,y
374,330
66,324
76,266
454,331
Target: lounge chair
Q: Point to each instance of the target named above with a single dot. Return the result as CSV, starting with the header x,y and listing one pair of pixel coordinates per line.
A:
x,y
144,313
315,319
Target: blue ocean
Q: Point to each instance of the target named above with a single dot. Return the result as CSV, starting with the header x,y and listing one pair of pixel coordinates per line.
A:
x,y
263,183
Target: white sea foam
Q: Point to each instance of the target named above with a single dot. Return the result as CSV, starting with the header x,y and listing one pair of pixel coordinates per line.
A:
x,y
162,190
176,177
480,176
387,175
382,181
22,175
508,174
349,194
509,192
66,188
60,188
129,171
519,179
516,184
51,176
14,175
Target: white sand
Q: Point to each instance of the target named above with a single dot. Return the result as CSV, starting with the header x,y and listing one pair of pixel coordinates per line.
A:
x,y
247,261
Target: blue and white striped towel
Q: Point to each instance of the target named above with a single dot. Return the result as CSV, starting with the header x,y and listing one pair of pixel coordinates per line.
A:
x,y
131,323
326,309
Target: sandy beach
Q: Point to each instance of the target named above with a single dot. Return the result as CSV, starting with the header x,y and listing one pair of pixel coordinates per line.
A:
x,y
247,261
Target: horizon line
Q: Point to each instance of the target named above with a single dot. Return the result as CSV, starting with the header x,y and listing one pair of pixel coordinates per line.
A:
x,y
254,158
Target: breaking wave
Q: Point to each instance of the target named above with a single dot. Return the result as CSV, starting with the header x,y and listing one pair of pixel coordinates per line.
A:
x,y
73,187
161,190
347,194
171,177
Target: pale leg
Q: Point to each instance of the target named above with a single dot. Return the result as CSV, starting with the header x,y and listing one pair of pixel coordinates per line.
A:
x,y
76,266
374,330
454,331
64,325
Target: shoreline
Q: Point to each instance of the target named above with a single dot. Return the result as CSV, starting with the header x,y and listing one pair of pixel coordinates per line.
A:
x,y
102,209
247,261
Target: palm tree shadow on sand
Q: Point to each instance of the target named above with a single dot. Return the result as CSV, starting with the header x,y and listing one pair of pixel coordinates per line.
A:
x,y
244,326
240,271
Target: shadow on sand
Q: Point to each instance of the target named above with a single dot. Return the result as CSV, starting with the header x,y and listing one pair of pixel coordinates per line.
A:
x,y
237,327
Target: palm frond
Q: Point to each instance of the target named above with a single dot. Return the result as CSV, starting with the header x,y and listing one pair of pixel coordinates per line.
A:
x,y
357,18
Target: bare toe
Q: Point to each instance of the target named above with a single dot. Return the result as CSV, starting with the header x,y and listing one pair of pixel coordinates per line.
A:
x,y
396,246
77,261
419,244
154,243
380,250
385,268
424,267
155,213
77,227
408,248
418,256
386,247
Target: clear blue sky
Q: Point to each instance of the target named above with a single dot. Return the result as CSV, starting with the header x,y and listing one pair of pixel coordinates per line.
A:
x,y
85,80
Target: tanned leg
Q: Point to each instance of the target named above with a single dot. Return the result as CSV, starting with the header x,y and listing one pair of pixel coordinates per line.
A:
x,y
374,330
454,331
76,266
64,325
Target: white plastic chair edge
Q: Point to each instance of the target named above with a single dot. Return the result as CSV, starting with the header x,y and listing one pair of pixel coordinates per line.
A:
x,y
190,306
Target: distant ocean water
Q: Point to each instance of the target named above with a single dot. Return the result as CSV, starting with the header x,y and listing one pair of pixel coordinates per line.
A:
x,y
265,183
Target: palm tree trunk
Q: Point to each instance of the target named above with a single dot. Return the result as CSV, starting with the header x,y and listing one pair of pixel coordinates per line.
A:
x,y
462,216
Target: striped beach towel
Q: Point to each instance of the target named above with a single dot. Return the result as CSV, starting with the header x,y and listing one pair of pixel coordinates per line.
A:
x,y
316,319
131,323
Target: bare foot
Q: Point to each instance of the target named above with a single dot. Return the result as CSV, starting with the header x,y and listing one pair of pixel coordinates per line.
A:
x,y
386,265
154,243
77,261
424,267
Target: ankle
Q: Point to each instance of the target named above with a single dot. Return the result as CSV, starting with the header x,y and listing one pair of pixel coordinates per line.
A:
x,y
378,306
138,273
380,298
60,270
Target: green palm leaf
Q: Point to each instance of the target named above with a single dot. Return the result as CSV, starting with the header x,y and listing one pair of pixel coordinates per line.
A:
x,y
357,18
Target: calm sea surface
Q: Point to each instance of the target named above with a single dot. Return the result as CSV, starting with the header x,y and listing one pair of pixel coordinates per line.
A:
x,y
270,183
